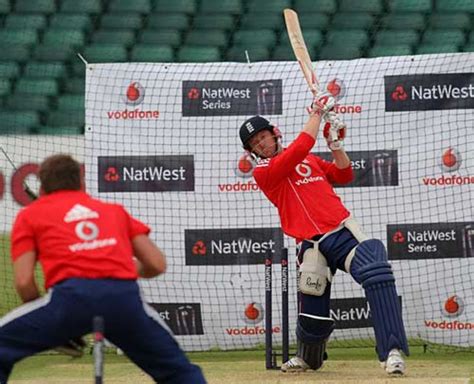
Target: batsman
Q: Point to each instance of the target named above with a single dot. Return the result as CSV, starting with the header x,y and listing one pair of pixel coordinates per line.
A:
x,y
300,185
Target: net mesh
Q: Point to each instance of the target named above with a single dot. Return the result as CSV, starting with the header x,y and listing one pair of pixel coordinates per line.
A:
x,y
163,140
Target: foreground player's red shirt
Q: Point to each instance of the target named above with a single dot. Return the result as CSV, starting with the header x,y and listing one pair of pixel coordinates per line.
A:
x,y
75,235
298,183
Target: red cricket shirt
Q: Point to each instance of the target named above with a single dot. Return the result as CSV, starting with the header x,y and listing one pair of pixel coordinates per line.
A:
x,y
298,183
75,235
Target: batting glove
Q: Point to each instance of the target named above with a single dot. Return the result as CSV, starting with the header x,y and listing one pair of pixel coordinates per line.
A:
x,y
334,131
322,104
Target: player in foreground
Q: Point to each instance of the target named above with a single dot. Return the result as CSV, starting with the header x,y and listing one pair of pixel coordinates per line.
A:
x,y
86,249
299,184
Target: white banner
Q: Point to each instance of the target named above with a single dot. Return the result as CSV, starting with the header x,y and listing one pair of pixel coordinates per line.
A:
x,y
163,140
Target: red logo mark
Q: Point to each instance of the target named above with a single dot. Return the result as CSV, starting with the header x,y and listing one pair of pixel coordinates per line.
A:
x,y
199,248
453,306
451,160
399,94
245,166
253,313
398,237
134,94
111,175
193,94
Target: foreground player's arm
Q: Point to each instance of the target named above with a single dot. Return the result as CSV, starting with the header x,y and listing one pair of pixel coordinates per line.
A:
x,y
149,259
24,276
341,159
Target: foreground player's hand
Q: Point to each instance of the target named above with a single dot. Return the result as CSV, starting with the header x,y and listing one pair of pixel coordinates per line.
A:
x,y
322,104
334,131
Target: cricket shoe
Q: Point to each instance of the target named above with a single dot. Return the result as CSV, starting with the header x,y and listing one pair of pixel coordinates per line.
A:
x,y
295,364
394,365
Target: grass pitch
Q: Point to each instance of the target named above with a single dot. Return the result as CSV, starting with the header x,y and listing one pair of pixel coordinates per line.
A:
x,y
350,365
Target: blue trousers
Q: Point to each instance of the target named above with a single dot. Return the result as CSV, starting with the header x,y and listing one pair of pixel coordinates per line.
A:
x,y
67,311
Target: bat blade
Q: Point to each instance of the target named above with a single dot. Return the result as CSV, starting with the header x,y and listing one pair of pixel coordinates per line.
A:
x,y
299,48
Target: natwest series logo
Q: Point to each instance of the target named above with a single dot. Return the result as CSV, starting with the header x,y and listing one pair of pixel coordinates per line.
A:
x,y
232,246
337,88
133,95
146,173
449,160
430,240
429,92
232,98
452,308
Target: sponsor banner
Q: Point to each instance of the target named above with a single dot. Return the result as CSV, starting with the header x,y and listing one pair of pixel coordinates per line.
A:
x,y
430,241
352,312
146,173
232,98
429,92
371,168
182,318
232,246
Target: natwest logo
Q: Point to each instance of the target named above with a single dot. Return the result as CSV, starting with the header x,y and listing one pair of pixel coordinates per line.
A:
x,y
232,246
429,92
232,98
146,173
430,240
133,95
399,94
337,88
450,160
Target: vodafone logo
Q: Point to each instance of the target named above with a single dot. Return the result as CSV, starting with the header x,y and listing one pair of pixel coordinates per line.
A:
x,y
245,166
134,94
199,248
303,170
453,306
451,160
87,230
399,94
253,313
337,88
194,94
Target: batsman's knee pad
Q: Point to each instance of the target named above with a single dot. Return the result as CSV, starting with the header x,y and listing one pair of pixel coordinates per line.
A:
x,y
312,333
370,264
314,275
370,267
